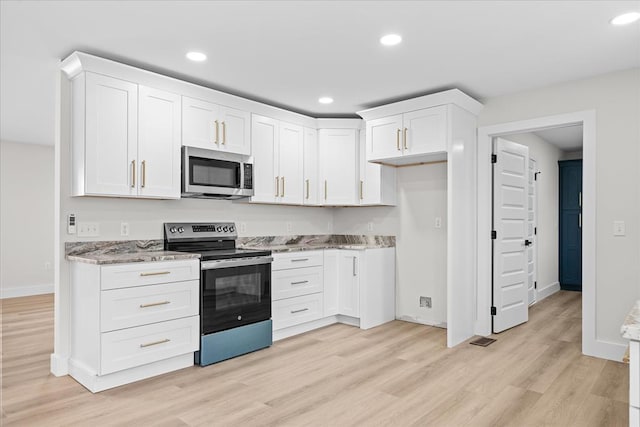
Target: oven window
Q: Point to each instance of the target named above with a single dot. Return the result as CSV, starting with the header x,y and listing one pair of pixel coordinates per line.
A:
x,y
214,173
236,291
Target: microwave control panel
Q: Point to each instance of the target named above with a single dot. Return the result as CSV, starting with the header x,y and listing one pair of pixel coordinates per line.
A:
x,y
248,176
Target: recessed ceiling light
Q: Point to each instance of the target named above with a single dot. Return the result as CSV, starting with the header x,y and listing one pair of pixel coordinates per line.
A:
x,y
196,56
325,100
626,18
390,39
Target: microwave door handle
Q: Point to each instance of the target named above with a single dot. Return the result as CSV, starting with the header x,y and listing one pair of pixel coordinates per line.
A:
x,y
240,262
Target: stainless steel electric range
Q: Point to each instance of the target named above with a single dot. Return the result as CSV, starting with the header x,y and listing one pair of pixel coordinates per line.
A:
x,y
235,289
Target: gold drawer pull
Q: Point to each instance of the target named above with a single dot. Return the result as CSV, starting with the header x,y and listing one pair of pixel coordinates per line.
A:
x,y
149,344
155,273
299,311
302,282
153,304
300,259
307,189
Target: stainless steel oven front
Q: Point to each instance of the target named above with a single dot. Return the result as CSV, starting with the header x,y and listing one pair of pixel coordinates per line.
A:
x,y
215,174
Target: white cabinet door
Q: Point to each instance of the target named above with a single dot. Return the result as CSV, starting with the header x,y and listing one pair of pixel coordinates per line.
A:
x,y
384,137
110,136
264,136
330,273
290,150
310,167
200,126
426,131
159,143
349,283
338,166
234,130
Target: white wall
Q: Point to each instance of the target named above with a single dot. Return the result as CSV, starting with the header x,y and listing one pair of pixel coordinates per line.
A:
x,y
421,249
546,156
26,219
615,97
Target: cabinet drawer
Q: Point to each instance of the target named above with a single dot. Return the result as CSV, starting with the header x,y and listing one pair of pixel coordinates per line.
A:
x,y
127,307
283,261
132,347
293,311
296,282
148,273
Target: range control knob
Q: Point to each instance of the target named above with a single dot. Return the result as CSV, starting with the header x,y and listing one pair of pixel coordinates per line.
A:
x,y
172,230
219,229
232,229
180,230
225,229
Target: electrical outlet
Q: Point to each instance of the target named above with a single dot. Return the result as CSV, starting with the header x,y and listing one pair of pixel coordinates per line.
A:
x,y
425,302
47,265
88,229
618,228
289,227
438,222
242,227
329,226
370,226
124,228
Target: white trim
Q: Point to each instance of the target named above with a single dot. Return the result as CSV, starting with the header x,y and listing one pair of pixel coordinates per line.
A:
x,y
547,291
314,324
26,291
59,365
591,346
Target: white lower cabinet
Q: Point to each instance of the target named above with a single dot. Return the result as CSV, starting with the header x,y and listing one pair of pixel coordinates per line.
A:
x,y
132,321
356,287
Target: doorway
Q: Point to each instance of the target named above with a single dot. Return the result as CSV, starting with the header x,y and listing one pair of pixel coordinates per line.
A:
x,y
526,212
590,344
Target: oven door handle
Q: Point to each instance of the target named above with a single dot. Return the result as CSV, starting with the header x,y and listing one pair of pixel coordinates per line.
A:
x,y
238,262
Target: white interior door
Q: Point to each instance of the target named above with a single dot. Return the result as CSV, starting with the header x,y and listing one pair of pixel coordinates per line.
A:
x,y
510,199
532,225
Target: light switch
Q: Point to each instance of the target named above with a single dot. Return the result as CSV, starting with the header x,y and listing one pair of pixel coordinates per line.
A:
x,y
618,228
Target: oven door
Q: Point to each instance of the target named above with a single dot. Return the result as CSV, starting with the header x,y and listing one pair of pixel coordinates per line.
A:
x,y
234,292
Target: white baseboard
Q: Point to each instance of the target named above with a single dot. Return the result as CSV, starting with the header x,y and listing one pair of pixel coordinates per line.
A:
x,y
59,365
605,350
547,291
25,291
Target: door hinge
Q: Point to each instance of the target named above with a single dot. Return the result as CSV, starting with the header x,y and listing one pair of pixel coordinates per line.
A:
x,y
494,234
493,311
494,158
535,285
535,230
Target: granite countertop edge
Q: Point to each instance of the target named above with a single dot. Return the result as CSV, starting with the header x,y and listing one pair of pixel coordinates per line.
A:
x,y
317,247
631,327
132,257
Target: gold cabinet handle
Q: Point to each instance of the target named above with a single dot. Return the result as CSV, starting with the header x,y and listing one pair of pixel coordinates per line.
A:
x,y
224,133
277,186
398,140
404,137
217,125
307,182
153,304
361,189
299,311
133,173
154,273
282,194
143,168
325,189
149,344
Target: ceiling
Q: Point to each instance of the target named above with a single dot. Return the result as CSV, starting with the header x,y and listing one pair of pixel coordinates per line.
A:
x,y
289,53
566,138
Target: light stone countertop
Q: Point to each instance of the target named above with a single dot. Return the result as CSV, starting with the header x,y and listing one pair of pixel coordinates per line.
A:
x,y
129,257
631,327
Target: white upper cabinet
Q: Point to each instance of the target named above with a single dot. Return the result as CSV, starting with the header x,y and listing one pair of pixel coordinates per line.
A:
x,y
338,166
277,161
132,140
414,133
289,163
264,136
377,184
215,127
158,143
310,167
109,119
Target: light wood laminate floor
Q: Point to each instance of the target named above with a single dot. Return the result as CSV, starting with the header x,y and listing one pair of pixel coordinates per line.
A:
x,y
398,374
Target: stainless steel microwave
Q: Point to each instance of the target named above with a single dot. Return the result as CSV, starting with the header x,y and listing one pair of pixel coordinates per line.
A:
x,y
215,175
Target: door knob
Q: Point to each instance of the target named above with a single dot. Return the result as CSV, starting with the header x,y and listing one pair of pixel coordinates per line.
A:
x,y
528,242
